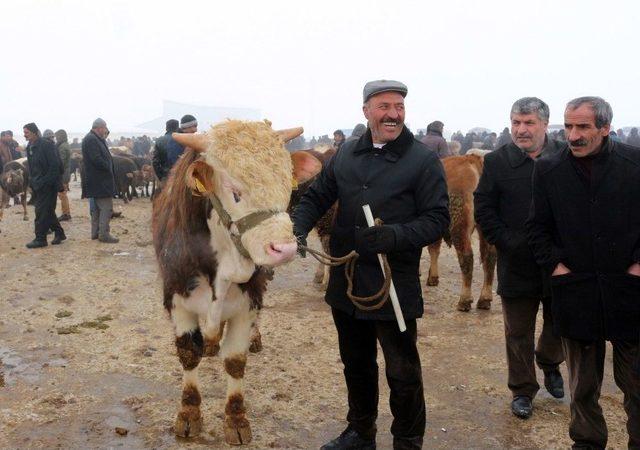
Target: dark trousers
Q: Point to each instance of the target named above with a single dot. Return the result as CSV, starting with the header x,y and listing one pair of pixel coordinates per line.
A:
x,y
585,361
45,206
519,329
358,349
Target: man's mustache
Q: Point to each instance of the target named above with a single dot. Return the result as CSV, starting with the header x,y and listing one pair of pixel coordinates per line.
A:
x,y
578,143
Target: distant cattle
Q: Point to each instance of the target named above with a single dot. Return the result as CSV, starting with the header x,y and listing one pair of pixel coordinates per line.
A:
x,y
463,174
124,171
14,181
219,225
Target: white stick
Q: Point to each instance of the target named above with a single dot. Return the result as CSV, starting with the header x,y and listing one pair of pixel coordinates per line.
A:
x,y
392,290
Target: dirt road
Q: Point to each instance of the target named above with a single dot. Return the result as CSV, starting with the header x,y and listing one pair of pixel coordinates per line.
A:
x,y
85,347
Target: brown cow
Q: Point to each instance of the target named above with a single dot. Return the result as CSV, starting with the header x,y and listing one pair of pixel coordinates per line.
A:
x,y
463,174
14,180
219,225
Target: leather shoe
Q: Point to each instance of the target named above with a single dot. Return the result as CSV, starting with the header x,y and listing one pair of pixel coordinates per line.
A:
x,y
554,383
36,244
108,239
521,406
64,218
58,239
350,439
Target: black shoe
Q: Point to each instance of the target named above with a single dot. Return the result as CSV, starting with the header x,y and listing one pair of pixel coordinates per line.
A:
x,y
350,440
36,244
64,218
58,239
521,406
554,384
108,239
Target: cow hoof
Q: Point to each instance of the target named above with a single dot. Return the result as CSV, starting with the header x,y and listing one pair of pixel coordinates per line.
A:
x,y
238,434
210,348
188,423
256,345
464,305
484,303
25,218
433,281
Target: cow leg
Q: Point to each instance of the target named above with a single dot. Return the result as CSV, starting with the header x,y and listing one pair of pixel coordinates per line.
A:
x,y
24,206
212,338
322,271
434,253
237,430
255,339
189,346
465,259
488,257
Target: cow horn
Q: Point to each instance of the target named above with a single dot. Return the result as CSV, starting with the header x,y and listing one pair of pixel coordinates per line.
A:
x,y
198,142
290,133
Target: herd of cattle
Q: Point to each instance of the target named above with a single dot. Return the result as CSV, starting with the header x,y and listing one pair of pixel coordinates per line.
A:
x,y
222,219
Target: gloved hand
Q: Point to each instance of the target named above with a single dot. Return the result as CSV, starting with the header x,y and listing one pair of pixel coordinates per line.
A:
x,y
302,240
376,239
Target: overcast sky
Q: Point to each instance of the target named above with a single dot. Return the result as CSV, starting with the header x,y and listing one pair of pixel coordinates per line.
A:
x,y
301,63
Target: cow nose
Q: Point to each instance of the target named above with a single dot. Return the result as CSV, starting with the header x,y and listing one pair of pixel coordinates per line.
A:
x,y
281,252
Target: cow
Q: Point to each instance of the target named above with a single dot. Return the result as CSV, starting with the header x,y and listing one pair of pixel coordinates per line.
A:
x,y
219,225
14,180
148,178
463,174
124,172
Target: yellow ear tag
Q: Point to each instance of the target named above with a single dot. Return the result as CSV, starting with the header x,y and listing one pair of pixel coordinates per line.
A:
x,y
294,184
200,187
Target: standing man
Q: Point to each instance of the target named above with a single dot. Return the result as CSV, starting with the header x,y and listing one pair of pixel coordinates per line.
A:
x,y
188,124
434,140
45,178
160,162
14,148
65,156
98,183
584,229
404,184
338,139
501,206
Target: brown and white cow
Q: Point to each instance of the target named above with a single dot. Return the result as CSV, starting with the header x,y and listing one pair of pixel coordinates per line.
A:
x,y
463,175
219,225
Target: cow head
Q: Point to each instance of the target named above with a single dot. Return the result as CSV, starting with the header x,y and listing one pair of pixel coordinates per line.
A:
x,y
248,175
12,182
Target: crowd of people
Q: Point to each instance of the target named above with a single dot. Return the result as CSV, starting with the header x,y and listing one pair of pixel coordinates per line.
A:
x,y
560,207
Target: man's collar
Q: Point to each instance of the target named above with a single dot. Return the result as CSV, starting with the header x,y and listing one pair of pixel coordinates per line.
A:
x,y
393,150
517,156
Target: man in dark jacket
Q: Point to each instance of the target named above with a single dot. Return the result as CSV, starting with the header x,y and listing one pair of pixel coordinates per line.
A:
x,y
501,206
45,178
584,229
160,162
633,138
404,184
434,140
338,139
97,181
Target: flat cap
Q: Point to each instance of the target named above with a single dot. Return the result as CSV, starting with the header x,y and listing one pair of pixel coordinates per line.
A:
x,y
377,86
99,123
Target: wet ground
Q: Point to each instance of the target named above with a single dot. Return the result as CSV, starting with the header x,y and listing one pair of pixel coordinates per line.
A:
x,y
88,361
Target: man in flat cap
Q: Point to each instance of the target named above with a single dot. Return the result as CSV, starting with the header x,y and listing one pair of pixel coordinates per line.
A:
x,y
404,184
98,181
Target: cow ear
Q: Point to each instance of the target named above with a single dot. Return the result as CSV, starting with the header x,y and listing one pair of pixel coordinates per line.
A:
x,y
305,166
200,177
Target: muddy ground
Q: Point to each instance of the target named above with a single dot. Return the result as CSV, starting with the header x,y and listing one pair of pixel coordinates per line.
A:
x,y
85,347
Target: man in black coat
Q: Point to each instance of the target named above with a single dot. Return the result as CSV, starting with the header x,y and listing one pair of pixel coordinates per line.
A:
x,y
160,162
98,181
501,206
404,184
584,230
45,178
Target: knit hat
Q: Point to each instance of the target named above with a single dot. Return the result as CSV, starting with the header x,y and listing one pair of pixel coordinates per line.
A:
x,y
48,134
99,123
188,121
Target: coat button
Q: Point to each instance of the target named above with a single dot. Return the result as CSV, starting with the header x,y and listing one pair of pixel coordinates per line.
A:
x,y
364,186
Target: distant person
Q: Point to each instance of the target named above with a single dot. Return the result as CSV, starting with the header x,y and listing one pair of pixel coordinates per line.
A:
x,y
188,124
633,138
434,140
75,144
504,138
49,135
489,141
160,162
338,139
14,148
561,137
98,184
458,136
621,135
64,150
358,131
467,143
45,178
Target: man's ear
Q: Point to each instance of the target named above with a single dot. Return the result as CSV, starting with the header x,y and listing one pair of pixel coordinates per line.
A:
x,y
305,166
200,177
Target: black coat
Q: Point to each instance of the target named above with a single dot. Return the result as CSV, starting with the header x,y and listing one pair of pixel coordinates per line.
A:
x,y
501,204
97,176
45,166
594,230
405,186
160,162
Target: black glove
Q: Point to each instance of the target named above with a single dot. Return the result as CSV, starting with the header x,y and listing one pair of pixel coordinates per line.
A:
x,y
377,239
302,240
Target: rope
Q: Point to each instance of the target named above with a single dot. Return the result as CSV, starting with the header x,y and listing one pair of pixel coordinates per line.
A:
x,y
370,303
